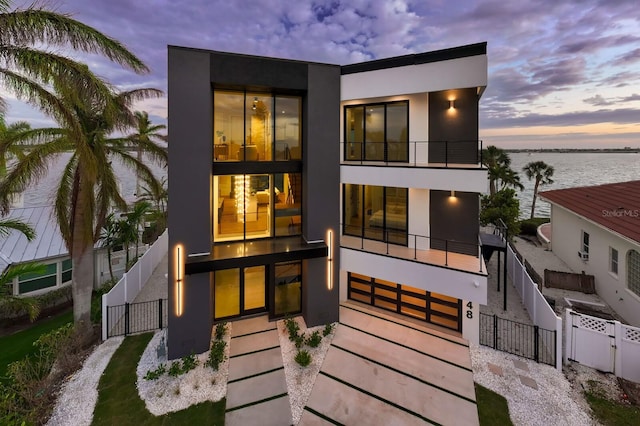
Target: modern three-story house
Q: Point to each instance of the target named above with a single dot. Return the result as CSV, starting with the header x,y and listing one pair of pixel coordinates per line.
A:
x,y
295,185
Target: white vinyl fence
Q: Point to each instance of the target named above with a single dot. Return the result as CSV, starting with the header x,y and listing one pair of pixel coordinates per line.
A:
x,y
605,345
539,310
126,290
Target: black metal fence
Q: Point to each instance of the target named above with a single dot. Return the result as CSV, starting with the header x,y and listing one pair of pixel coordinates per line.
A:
x,y
133,318
526,340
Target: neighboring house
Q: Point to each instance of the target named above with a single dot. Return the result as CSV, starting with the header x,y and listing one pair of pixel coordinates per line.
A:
x,y
596,230
47,248
295,185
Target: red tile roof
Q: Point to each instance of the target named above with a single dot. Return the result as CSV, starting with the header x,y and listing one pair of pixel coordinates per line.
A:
x,y
615,206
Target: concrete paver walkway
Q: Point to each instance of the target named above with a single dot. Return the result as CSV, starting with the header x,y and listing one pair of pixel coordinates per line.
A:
x,y
256,388
382,371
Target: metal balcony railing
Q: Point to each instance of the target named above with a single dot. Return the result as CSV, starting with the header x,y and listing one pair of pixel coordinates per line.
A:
x,y
458,153
453,254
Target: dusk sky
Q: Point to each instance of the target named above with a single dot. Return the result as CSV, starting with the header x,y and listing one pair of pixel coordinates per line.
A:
x,y
561,73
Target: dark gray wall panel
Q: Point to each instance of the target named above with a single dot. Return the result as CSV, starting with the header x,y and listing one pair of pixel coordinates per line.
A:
x,y
252,71
190,153
456,221
458,127
321,183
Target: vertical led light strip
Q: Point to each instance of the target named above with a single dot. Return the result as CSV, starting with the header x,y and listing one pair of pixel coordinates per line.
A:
x,y
179,278
330,260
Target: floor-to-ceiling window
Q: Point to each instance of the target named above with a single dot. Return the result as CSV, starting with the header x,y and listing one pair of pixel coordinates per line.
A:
x,y
288,288
256,206
377,132
251,126
375,212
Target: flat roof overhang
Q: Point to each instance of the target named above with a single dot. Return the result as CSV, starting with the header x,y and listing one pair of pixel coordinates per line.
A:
x,y
258,252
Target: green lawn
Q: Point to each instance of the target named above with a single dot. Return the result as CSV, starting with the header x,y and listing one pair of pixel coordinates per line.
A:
x,y
492,407
119,403
612,412
18,345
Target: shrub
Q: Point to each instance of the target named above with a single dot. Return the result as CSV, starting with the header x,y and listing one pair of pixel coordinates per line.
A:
x,y
189,362
530,226
175,369
314,340
216,355
327,330
303,358
292,327
221,329
156,374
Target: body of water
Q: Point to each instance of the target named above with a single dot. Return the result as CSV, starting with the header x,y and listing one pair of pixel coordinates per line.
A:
x,y
43,193
571,170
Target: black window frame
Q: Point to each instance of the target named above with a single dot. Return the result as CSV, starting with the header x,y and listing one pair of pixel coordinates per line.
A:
x,y
363,143
362,214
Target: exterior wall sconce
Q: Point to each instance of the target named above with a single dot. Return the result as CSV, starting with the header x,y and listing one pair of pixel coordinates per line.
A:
x,y
330,260
452,104
179,279
453,194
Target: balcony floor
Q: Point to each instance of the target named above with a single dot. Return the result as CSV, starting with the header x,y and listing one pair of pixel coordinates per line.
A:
x,y
461,262
418,165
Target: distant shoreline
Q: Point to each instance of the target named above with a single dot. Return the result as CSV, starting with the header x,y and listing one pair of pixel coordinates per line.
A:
x,y
626,150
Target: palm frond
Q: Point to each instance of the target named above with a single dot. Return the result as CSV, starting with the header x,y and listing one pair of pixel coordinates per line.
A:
x,y
8,225
145,173
29,169
39,26
63,199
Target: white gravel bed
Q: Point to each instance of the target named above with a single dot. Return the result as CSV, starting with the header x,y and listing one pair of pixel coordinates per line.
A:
x,y
551,404
79,394
167,394
300,380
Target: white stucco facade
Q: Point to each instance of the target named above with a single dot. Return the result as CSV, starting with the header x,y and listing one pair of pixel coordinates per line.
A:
x,y
567,232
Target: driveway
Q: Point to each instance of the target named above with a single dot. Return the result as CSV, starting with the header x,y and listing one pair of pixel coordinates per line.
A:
x,y
381,369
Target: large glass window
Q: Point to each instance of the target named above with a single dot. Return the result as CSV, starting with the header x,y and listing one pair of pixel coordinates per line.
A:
x,y
256,127
376,212
256,206
288,128
377,132
227,293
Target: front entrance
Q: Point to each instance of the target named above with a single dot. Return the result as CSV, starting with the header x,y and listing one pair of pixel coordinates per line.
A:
x,y
240,291
275,288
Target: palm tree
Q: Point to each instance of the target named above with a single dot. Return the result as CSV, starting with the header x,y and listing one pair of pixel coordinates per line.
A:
x,y
542,173
28,304
10,138
109,237
88,187
135,220
87,110
498,164
146,132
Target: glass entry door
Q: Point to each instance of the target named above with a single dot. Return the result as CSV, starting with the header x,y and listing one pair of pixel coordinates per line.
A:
x,y
239,291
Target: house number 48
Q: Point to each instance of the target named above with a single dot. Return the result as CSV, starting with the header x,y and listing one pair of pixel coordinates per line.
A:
x,y
469,311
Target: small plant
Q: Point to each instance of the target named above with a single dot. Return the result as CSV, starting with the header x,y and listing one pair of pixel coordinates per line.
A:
x,y
156,374
189,362
314,340
216,355
327,330
175,369
303,358
221,329
298,340
292,327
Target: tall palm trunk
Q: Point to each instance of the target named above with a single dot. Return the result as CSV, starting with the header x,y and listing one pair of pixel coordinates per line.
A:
x,y
535,195
109,260
82,261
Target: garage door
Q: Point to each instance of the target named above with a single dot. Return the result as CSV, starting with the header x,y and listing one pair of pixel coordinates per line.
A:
x,y
433,308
